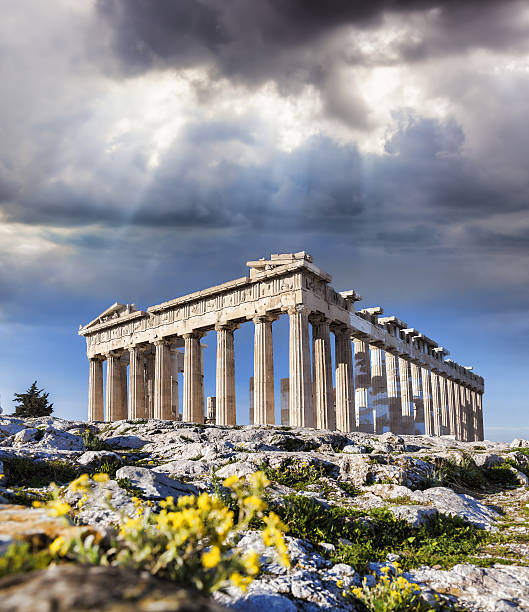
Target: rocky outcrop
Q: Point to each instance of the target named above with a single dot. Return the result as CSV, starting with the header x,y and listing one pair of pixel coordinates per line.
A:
x,y
153,460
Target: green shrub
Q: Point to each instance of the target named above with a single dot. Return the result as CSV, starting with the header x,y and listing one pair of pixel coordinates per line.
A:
x,y
93,442
502,475
444,540
296,474
21,557
23,471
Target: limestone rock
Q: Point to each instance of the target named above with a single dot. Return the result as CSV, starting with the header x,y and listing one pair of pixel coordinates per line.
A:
x,y
517,443
68,588
125,442
153,484
24,436
493,589
458,504
105,505
96,458
414,515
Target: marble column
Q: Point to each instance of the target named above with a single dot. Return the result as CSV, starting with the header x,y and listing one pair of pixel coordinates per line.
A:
x,y
301,407
116,408
427,401
475,418
452,426
176,355
479,400
95,390
362,375
193,382
125,384
263,371
461,416
284,382
393,389
445,411
162,380
470,416
406,395
322,374
225,385
418,402
137,409
211,410
379,389
250,402
436,404
345,400
149,384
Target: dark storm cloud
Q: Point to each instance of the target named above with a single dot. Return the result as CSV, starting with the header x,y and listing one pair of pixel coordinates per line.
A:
x,y
273,38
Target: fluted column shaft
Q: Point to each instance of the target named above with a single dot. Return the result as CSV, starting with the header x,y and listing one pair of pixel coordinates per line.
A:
x,y
362,374
418,402
481,432
451,407
95,390
301,407
149,385
263,372
406,396
436,404
137,409
379,388
470,415
475,420
116,408
443,399
225,385
193,409
345,400
162,380
322,364
175,401
427,401
394,399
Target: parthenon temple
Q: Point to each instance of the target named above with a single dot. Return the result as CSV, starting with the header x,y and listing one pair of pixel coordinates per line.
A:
x,y
387,376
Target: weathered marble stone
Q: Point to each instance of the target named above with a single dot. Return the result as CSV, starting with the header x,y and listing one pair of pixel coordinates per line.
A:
x,y
94,459
69,588
154,485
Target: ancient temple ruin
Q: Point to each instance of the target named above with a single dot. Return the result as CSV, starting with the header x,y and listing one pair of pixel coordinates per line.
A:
x,y
387,376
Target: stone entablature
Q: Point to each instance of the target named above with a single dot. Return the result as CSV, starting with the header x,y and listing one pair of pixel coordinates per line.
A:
x,y
286,283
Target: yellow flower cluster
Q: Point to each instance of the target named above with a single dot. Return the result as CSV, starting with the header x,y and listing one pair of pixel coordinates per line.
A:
x,y
391,593
190,540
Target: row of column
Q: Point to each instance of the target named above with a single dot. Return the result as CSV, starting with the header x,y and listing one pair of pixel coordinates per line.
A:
x,y
384,392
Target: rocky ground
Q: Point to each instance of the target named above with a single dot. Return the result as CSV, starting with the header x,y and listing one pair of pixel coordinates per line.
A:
x,y
354,503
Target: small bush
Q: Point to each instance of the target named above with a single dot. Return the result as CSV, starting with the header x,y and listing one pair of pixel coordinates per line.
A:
x,y
20,557
93,442
189,541
391,593
296,475
502,475
22,471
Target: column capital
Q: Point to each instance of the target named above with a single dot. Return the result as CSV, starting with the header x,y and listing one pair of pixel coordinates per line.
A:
x,y
340,328
264,318
228,326
114,353
318,318
299,309
140,348
195,334
100,357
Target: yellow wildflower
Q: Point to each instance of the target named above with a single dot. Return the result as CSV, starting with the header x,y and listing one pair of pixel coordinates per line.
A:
x,y
240,581
251,563
231,481
211,558
58,508
258,480
253,502
80,484
101,478
59,546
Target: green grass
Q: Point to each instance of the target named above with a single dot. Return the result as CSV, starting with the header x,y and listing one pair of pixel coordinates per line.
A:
x,y
93,442
22,471
296,474
23,497
20,557
443,541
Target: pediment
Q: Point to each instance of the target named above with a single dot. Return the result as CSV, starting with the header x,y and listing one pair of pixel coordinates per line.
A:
x,y
115,311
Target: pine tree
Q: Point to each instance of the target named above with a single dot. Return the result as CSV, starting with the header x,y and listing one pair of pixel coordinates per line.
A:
x,y
33,403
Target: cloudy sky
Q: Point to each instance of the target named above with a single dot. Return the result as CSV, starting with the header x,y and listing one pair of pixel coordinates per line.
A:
x,y
148,148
